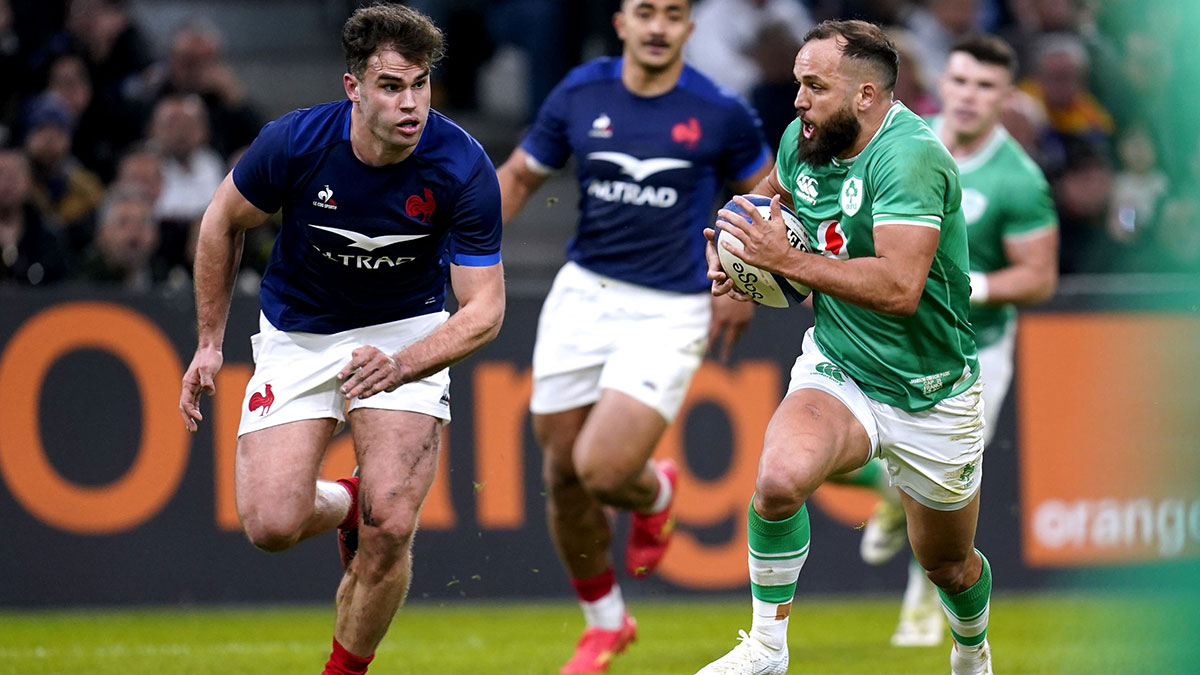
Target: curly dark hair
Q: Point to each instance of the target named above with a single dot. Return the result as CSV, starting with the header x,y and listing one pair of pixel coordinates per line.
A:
x,y
408,32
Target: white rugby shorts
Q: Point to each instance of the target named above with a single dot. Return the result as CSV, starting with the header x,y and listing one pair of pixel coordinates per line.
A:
x,y
598,333
295,374
996,371
935,456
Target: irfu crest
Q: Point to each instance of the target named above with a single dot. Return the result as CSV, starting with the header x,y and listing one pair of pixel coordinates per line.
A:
x,y
852,195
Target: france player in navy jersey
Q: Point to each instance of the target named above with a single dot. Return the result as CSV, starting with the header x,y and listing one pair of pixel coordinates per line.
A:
x,y
626,323
382,201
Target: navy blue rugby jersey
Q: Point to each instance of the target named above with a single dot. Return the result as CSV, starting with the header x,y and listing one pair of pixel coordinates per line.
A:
x,y
649,169
361,244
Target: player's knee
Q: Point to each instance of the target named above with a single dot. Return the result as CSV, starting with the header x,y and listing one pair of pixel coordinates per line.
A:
x,y
606,483
273,534
782,486
387,541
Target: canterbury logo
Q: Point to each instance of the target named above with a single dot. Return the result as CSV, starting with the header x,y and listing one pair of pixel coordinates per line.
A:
x,y
831,371
640,169
369,243
418,207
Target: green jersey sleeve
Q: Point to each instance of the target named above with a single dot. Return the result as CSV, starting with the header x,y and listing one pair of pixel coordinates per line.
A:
x,y
1029,208
913,184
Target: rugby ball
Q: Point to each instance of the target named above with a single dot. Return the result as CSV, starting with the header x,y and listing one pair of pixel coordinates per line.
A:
x,y
766,288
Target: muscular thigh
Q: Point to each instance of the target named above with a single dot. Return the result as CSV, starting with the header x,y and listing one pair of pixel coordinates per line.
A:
x,y
277,466
811,436
397,457
619,435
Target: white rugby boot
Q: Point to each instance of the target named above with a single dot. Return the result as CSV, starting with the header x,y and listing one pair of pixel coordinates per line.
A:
x,y
975,660
884,534
750,657
922,620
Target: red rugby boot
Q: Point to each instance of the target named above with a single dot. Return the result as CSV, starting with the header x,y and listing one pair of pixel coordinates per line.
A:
x,y
649,533
598,646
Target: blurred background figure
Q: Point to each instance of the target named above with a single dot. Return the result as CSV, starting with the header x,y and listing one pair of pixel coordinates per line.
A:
x,y
63,189
30,253
126,239
101,132
935,26
194,65
913,87
191,170
749,46
1138,187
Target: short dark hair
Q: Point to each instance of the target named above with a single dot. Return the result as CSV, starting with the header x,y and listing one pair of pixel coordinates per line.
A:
x,y
988,49
862,41
408,32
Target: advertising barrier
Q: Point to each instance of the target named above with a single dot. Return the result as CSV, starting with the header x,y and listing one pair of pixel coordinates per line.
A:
x,y
107,499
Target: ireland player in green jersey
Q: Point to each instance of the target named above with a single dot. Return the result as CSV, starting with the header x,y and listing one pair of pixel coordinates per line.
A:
x,y
889,370
1013,238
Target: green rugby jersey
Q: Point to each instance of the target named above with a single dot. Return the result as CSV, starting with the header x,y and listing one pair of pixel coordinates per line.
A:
x,y
904,176
1005,199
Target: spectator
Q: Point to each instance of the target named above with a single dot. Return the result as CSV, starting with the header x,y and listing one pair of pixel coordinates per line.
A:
x,y
1138,187
1024,118
125,242
30,254
100,132
12,65
194,65
1074,115
749,47
192,170
1034,20
62,187
912,84
1081,193
935,27
727,43
142,168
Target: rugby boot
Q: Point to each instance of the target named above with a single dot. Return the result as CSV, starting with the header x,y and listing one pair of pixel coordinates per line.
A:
x,y
650,533
597,647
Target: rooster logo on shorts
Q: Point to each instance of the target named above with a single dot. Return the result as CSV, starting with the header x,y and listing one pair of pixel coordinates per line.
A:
x,y
263,400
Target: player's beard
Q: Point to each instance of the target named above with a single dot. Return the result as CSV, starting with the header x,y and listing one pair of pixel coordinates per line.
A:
x,y
829,139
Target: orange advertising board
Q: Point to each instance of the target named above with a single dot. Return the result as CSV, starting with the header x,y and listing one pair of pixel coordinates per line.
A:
x,y
1109,428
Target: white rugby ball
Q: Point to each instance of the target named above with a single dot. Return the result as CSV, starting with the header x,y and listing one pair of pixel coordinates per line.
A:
x,y
766,288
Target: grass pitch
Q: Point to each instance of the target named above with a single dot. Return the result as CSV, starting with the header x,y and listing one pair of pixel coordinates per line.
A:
x,y
1029,634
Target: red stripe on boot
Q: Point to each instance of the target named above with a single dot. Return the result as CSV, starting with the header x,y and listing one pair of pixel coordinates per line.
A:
x,y
591,590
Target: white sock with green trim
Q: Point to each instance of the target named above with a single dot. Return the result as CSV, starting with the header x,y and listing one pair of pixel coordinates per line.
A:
x,y
778,549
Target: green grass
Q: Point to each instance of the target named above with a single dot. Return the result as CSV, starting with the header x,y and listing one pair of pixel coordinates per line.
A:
x,y
1029,634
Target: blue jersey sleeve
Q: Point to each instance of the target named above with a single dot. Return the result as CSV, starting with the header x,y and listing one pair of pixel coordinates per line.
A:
x,y
476,227
547,139
746,149
261,173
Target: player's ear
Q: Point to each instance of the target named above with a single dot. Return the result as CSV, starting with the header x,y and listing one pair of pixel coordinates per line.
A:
x,y
351,84
867,93
618,20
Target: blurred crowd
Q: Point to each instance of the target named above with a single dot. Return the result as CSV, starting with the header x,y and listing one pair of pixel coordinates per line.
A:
x,y
109,151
